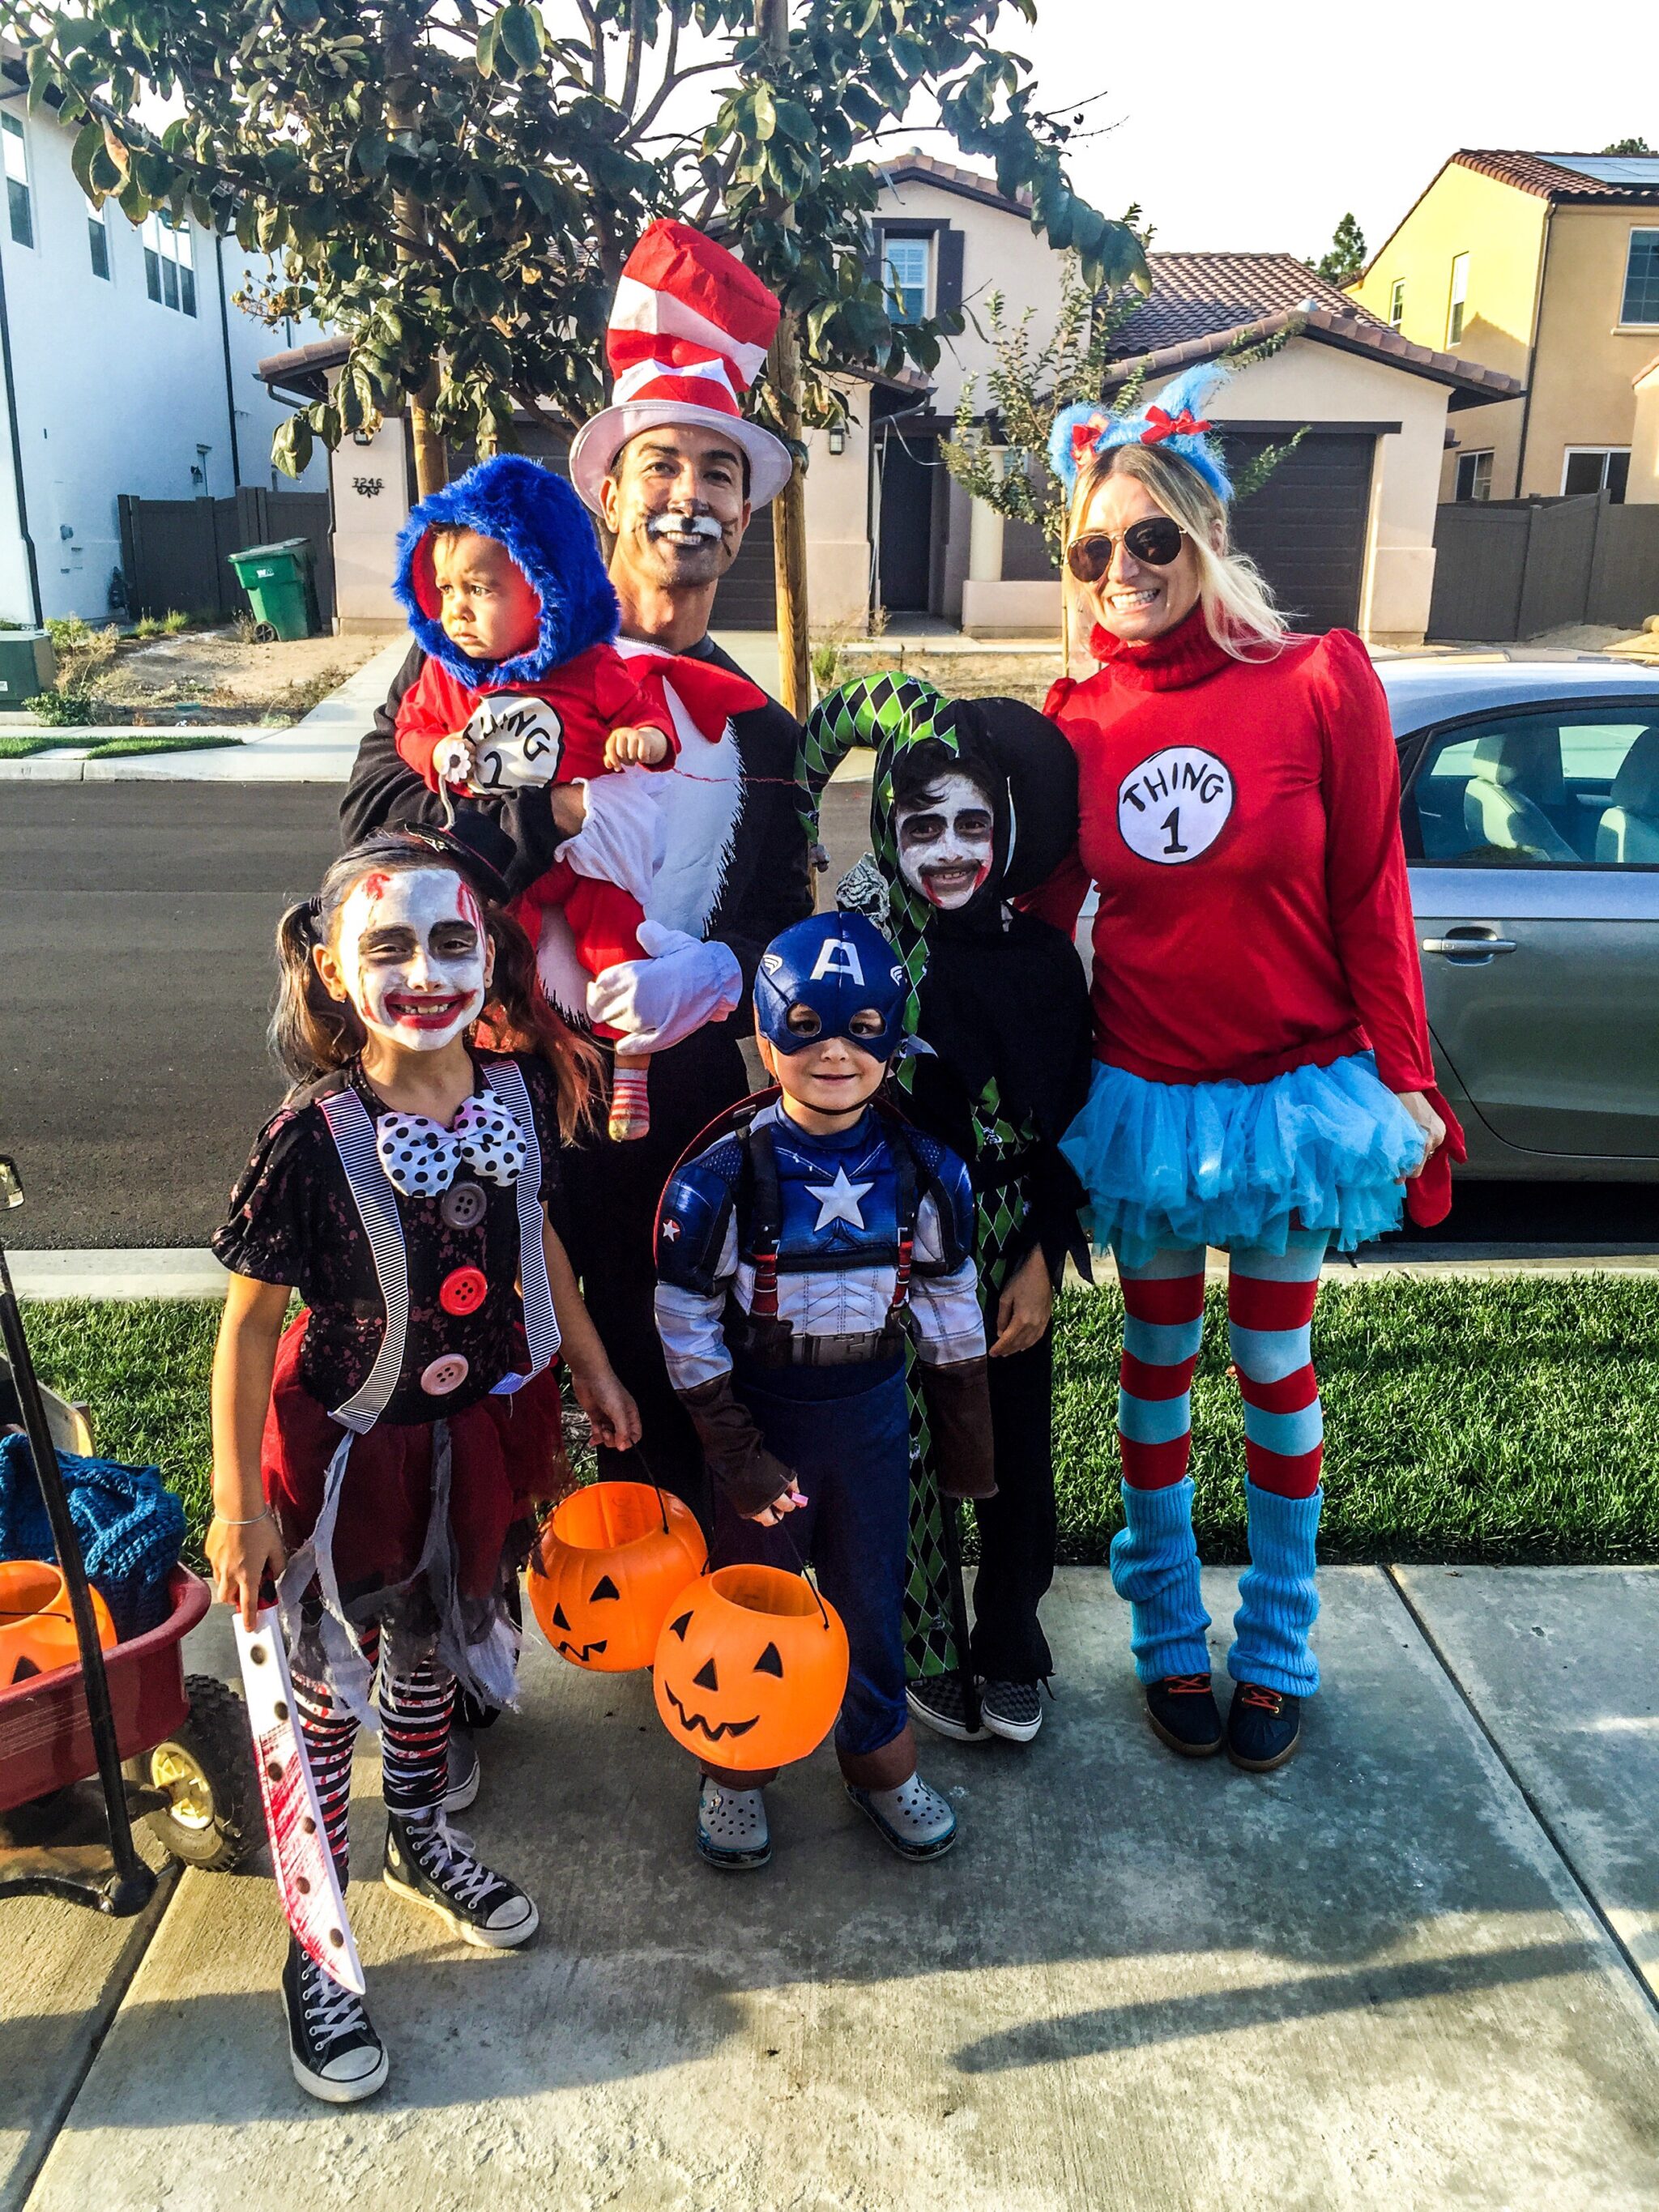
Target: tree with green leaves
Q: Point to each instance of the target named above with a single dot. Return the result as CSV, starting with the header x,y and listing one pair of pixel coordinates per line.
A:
x,y
453,184
1344,260
1628,146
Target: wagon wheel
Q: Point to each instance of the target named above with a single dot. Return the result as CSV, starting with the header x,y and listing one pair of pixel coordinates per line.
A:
x,y
265,633
206,1767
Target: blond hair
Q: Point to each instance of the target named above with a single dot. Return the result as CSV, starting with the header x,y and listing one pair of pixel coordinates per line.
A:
x,y
1237,601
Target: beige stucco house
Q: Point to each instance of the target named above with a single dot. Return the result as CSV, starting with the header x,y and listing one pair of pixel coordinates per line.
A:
x,y
1344,528
1547,266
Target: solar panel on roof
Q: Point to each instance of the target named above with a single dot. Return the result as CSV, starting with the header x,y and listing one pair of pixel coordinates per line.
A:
x,y
1610,168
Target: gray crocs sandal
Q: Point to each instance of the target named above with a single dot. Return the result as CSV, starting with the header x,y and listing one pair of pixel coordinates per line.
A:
x,y
732,1831
913,1818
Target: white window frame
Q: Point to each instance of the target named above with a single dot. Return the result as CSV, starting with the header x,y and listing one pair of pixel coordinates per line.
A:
x,y
169,247
896,235
1474,498
1638,230
1457,299
98,220
14,136
1571,452
1396,303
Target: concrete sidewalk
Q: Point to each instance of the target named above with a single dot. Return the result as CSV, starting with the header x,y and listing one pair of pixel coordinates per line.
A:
x,y
1397,1974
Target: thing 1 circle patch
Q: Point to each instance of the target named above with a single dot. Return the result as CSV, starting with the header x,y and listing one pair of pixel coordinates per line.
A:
x,y
1175,806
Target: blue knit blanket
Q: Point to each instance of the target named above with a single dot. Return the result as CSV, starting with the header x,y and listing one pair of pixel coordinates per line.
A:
x,y
131,1529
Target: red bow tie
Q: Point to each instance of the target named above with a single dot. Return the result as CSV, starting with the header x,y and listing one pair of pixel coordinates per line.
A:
x,y
1160,426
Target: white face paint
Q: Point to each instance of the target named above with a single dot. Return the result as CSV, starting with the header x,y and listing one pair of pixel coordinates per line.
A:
x,y
412,954
945,843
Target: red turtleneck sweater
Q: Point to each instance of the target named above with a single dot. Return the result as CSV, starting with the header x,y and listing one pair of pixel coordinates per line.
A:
x,y
1242,820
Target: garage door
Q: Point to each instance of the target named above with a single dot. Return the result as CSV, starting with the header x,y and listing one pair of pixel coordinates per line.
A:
x,y
1305,527
748,594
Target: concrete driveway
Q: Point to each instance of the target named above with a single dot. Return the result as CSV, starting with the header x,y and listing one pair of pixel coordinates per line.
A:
x,y
1417,1968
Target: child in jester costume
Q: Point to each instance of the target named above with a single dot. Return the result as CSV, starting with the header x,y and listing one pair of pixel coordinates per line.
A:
x,y
975,803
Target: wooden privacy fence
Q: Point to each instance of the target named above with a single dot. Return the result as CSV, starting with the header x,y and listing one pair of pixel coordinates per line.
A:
x,y
176,552
1507,568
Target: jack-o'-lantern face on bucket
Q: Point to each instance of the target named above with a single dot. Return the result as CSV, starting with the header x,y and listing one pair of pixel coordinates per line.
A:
x,y
751,1668
613,1559
37,1627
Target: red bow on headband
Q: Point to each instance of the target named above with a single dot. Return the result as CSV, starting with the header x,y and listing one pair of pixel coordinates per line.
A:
x,y
1160,426
1084,438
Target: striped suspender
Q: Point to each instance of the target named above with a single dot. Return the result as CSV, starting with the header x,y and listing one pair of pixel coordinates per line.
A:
x,y
541,1328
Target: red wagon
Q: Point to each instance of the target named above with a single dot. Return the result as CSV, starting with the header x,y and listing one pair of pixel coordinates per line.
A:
x,y
166,1747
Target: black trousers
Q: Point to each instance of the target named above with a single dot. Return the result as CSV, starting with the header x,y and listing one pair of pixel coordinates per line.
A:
x,y
612,1192
1017,1528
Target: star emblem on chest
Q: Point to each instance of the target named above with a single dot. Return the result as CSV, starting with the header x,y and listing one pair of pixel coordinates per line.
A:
x,y
839,1200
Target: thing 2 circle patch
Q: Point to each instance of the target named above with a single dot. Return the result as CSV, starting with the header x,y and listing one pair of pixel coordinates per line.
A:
x,y
1175,806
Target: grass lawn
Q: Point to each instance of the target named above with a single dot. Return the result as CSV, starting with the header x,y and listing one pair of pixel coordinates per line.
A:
x,y
1512,1419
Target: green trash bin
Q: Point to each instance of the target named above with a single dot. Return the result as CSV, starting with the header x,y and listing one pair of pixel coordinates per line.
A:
x,y
281,583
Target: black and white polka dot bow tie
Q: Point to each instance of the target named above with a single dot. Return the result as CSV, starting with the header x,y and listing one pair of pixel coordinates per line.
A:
x,y
421,1157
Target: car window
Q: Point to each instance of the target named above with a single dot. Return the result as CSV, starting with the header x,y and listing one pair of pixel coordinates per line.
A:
x,y
1562,787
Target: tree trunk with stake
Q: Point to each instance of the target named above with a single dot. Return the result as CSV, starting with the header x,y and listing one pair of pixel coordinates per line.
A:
x,y
403,119
789,508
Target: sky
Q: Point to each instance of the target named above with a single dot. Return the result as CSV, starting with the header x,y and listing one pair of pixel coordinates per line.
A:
x,y
1258,126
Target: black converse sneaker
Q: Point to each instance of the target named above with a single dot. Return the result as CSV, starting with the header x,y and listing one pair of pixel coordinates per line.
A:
x,y
937,1700
331,2044
1011,1710
428,1862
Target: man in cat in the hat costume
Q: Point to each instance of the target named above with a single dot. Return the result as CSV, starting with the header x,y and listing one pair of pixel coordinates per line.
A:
x,y
674,470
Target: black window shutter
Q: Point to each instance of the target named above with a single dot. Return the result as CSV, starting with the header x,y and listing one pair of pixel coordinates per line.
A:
x,y
947,289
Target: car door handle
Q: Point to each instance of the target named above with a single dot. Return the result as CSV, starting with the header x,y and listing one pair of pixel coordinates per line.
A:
x,y
1475,948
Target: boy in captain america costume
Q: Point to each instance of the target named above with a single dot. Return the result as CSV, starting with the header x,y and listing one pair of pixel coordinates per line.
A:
x,y
795,1256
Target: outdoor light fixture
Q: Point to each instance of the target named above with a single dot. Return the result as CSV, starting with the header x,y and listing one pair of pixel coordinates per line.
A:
x,y
837,437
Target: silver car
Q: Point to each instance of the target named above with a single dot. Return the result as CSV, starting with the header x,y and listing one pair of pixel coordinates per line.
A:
x,y
1531,819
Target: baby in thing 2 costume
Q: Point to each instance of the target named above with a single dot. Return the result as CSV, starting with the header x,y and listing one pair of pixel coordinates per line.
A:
x,y
501,576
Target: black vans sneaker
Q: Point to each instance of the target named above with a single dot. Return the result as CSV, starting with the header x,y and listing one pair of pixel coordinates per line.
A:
x,y
331,2044
1012,1711
1184,1715
937,1700
1264,1728
428,1862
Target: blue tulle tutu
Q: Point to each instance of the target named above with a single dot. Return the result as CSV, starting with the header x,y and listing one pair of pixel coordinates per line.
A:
x,y
1241,1165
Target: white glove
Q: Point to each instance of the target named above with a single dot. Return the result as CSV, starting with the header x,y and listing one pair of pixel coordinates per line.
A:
x,y
658,1001
516,743
625,834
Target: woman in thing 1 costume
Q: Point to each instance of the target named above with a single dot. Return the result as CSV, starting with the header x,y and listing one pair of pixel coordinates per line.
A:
x,y
797,1256
378,1456
1263,1080
974,802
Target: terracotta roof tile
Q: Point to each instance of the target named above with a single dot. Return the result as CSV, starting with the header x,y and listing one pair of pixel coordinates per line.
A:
x,y
1554,176
1196,296
928,167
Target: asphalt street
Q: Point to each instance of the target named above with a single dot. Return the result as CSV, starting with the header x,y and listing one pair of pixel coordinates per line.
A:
x,y
136,974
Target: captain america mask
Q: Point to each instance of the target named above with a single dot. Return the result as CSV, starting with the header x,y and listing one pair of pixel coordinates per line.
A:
x,y
833,975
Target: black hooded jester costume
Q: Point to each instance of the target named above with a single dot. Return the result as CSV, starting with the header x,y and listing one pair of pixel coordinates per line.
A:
x,y
998,1005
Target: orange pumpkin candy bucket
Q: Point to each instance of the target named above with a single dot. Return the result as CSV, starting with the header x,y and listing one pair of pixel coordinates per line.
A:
x,y
611,1560
751,1668
37,1628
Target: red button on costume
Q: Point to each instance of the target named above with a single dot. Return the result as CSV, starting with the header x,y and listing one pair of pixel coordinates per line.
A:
x,y
464,1290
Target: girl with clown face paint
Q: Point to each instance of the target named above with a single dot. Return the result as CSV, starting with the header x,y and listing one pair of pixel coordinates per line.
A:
x,y
377,1457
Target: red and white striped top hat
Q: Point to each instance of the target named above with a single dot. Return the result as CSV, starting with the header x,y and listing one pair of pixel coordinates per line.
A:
x,y
689,327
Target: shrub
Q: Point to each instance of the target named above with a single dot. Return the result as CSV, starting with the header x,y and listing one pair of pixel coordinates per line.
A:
x,y
62,708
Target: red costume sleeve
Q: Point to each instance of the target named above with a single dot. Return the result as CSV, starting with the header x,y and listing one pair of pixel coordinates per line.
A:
x,y
1059,901
434,705
628,696
1366,884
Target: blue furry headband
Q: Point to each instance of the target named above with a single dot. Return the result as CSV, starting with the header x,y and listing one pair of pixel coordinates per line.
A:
x,y
1172,421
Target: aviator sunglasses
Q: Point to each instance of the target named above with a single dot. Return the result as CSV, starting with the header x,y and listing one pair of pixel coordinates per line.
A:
x,y
1156,540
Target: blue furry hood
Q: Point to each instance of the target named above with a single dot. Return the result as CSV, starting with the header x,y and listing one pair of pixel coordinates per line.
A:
x,y
545,528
